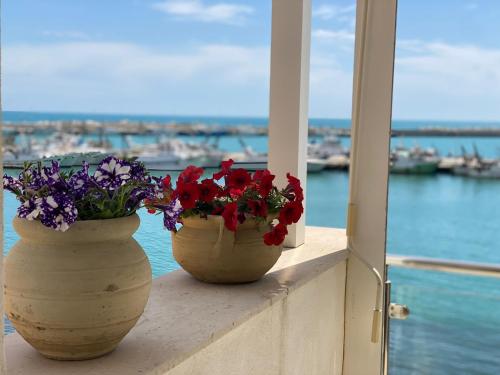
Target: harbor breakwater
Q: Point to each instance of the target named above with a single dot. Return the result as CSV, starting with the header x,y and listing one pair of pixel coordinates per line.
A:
x,y
202,129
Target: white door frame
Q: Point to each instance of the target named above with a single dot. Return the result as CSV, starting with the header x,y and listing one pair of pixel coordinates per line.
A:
x,y
368,181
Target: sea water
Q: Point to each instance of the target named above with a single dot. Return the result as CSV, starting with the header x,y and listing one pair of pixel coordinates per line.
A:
x,y
454,326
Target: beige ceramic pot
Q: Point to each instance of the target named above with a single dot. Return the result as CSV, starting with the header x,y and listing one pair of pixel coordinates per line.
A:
x,y
211,253
75,295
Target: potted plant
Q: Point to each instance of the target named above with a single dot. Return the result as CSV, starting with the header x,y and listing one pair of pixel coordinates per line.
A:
x,y
233,224
76,282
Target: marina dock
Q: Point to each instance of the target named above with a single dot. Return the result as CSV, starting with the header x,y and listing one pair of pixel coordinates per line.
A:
x,y
169,146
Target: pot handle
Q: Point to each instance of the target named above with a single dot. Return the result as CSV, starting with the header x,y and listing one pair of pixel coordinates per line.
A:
x,y
217,249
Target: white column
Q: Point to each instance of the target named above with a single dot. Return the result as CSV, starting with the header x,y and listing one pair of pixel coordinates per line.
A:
x,y
369,171
289,95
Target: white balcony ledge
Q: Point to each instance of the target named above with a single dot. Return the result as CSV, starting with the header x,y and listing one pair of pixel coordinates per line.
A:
x,y
293,318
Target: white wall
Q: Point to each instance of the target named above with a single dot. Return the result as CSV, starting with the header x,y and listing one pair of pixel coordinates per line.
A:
x,y
301,334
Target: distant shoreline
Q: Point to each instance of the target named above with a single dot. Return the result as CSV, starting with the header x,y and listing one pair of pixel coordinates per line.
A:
x,y
203,129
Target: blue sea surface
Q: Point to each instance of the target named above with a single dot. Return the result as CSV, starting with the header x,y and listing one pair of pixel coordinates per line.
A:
x,y
454,326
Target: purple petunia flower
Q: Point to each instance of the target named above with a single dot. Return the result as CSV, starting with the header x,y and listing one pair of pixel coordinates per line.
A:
x,y
46,177
80,182
58,211
51,175
30,209
118,188
112,173
171,213
137,196
138,172
11,184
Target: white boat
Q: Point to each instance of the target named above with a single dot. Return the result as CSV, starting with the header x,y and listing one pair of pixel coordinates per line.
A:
x,y
413,161
248,159
252,160
316,165
476,167
172,153
448,163
488,171
211,154
69,149
161,160
26,149
331,146
62,143
329,152
337,162
17,158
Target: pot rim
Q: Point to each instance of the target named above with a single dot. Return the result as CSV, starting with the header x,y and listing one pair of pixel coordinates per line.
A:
x,y
83,231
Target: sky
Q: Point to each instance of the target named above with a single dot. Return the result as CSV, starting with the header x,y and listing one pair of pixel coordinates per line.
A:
x,y
211,57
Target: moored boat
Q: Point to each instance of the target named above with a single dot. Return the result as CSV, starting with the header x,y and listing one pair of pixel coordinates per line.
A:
x,y
476,166
316,165
413,161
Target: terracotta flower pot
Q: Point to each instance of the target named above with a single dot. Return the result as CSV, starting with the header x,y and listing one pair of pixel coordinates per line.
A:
x,y
210,252
75,295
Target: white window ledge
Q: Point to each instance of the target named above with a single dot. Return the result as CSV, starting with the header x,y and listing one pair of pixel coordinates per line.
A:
x,y
185,317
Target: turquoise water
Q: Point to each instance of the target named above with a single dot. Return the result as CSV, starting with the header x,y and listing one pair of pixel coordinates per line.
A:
x,y
455,320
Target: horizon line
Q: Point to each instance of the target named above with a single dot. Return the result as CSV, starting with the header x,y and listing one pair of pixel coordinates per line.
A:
x,y
58,112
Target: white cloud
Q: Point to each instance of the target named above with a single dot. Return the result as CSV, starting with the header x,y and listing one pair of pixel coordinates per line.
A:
x,y
410,45
446,81
432,79
330,86
128,61
196,10
455,69
334,35
327,12
106,76
66,34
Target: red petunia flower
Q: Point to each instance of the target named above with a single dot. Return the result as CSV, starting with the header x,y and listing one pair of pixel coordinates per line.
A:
x,y
235,193
230,215
190,174
291,212
276,236
238,179
258,208
188,194
259,174
266,185
225,168
294,186
166,182
294,181
208,190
